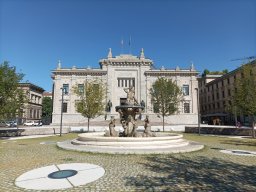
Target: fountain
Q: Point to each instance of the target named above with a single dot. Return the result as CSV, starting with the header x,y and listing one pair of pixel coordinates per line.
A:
x,y
130,140
128,113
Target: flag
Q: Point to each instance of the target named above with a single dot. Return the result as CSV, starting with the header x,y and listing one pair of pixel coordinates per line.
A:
x,y
130,41
122,42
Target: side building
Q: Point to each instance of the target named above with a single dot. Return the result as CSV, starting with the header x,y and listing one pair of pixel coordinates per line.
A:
x,y
118,73
215,98
33,107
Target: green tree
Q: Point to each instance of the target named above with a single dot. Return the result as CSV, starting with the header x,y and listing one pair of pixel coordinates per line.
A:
x,y
166,96
46,110
245,93
225,71
206,71
47,107
91,99
12,98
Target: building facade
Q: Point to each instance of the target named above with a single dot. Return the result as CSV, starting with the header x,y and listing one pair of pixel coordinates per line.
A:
x,y
216,93
33,107
118,73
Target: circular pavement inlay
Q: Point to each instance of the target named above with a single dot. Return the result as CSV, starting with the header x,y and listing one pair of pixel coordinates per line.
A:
x,y
239,152
60,176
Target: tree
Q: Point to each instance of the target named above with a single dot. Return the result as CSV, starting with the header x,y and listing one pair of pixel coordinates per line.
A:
x,y
166,96
46,110
206,71
12,98
91,99
245,92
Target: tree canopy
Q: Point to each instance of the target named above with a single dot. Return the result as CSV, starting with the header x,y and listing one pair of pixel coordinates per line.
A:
x,y
46,110
166,96
46,107
12,98
91,99
207,72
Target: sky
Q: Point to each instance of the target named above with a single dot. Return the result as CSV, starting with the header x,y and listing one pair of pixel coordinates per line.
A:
x,y
35,34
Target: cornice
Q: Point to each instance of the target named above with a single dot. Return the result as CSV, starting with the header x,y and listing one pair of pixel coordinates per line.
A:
x,y
79,72
171,73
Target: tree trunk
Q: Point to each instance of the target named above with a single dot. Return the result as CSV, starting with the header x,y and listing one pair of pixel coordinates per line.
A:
x,y
253,123
163,123
88,124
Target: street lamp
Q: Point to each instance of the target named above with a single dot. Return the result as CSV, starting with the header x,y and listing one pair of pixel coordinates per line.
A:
x,y
198,110
61,114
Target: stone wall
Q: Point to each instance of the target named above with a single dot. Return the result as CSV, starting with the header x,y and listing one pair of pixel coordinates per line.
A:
x,y
220,130
44,130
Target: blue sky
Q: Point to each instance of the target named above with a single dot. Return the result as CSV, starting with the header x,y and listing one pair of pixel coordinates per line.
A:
x,y
35,34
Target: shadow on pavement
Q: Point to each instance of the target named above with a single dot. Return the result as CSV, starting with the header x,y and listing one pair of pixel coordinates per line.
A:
x,y
197,174
239,142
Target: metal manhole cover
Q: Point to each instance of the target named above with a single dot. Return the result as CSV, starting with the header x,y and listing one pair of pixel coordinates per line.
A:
x,y
62,174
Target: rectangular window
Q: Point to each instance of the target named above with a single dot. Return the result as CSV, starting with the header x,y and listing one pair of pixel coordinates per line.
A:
x,y
38,114
223,94
228,81
123,101
126,82
186,108
31,113
229,92
34,115
185,89
65,88
65,108
80,88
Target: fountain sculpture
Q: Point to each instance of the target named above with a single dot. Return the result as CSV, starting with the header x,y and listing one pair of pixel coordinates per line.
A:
x,y
128,113
130,140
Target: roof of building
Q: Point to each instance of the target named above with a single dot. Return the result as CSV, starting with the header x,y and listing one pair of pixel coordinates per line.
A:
x,y
221,77
126,59
47,94
31,86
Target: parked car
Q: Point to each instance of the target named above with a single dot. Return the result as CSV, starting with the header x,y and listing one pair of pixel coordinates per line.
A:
x,y
11,123
38,123
3,124
29,123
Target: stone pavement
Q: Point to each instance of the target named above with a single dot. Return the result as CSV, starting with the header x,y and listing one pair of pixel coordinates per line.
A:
x,y
205,170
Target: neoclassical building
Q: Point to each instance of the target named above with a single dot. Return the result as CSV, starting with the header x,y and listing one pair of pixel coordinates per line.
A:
x,y
120,72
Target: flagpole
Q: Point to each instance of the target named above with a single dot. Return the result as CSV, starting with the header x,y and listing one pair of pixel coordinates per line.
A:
x,y
130,45
122,45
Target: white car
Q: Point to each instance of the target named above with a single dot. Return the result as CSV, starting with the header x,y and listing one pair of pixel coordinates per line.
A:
x,y
38,123
29,123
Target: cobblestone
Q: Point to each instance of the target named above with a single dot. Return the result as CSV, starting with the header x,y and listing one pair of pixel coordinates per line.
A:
x,y
205,170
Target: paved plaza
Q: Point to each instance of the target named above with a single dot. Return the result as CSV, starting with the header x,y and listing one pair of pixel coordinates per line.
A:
x,y
206,170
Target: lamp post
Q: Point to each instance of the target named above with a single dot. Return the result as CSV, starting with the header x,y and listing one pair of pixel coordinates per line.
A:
x,y
61,114
198,110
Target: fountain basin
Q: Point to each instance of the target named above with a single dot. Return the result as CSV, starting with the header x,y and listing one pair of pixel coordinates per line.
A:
x,y
162,143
